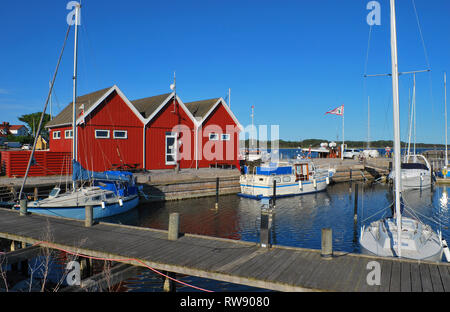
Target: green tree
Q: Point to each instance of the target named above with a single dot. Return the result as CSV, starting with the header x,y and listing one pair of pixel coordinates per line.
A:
x,y
32,122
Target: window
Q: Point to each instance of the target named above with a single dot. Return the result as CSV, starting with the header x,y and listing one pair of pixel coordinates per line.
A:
x,y
68,134
56,135
286,179
213,137
102,134
120,134
225,137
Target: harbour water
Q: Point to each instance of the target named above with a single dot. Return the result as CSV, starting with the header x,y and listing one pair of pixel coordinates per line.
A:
x,y
297,221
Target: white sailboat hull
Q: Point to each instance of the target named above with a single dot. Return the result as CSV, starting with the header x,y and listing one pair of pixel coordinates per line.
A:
x,y
418,241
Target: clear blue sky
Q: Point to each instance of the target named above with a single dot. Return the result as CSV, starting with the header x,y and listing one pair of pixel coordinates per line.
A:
x,y
293,60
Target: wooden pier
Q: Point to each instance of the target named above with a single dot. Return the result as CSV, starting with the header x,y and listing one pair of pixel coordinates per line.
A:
x,y
277,268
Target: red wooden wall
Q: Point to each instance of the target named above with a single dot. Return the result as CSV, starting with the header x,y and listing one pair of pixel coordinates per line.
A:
x,y
47,163
220,152
166,120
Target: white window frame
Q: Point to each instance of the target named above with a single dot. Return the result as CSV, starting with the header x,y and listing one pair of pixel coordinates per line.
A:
x,y
68,136
120,138
225,137
56,135
102,137
174,153
216,136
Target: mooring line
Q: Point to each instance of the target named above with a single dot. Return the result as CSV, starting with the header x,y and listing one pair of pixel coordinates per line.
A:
x,y
120,260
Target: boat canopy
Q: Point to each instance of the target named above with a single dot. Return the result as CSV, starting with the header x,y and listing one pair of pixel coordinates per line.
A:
x,y
414,166
271,170
81,174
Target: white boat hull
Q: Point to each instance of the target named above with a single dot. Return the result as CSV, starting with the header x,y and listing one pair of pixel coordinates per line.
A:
x,y
418,241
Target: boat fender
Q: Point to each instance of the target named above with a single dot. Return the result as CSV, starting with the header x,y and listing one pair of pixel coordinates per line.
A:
x,y
314,182
328,180
120,202
103,205
446,250
300,184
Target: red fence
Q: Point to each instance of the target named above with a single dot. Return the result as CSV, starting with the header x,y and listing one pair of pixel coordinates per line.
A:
x,y
14,163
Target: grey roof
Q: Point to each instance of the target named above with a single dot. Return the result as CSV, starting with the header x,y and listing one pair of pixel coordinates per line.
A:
x,y
65,116
199,109
149,105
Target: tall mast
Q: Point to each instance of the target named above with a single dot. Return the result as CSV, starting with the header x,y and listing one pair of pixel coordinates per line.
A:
x,y
396,117
414,110
368,122
445,101
74,108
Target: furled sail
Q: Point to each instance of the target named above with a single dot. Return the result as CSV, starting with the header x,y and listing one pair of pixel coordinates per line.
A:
x,y
81,174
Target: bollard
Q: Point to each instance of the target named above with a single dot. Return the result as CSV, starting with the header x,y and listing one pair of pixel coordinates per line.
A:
x,y
23,207
327,244
89,216
174,226
355,209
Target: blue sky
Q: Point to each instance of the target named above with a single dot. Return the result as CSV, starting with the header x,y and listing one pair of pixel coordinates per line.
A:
x,y
293,60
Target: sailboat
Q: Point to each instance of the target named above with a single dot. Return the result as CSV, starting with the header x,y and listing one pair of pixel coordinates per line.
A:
x,y
400,236
416,171
109,193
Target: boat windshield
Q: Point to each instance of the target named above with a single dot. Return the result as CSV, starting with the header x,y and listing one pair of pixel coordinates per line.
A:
x,y
54,192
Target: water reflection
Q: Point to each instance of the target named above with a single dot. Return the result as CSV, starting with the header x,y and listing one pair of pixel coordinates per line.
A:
x,y
297,221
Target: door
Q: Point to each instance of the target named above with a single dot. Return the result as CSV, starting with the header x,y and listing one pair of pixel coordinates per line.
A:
x,y
171,149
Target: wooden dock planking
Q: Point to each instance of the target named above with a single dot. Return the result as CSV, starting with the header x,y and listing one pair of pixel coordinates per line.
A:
x,y
276,268
405,283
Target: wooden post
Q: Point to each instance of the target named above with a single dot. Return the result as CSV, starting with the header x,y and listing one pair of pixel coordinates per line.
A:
x,y
274,192
169,284
23,207
355,209
327,244
351,174
174,226
264,232
217,193
36,193
89,216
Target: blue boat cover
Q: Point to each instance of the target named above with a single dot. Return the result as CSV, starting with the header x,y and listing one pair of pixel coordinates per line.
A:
x,y
81,174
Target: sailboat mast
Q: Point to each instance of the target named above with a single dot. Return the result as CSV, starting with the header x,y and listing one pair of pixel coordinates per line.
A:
x,y
74,108
368,122
445,101
396,117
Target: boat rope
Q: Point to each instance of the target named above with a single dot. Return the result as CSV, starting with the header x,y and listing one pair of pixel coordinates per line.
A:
x,y
30,160
378,212
49,245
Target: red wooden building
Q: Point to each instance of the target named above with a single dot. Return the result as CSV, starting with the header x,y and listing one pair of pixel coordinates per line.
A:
x,y
158,132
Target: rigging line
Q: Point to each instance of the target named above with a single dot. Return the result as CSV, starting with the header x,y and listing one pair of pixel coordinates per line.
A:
x,y
426,56
43,113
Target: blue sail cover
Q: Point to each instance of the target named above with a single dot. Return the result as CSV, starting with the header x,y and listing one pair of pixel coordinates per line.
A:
x,y
81,174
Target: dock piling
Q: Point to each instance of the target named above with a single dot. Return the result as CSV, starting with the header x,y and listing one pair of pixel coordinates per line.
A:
x,y
23,207
355,209
217,193
174,226
274,192
327,243
89,216
265,228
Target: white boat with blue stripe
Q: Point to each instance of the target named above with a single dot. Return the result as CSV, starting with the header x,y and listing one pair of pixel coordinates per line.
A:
x,y
291,178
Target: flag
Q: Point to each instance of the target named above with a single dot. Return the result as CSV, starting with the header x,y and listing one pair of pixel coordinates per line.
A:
x,y
337,111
